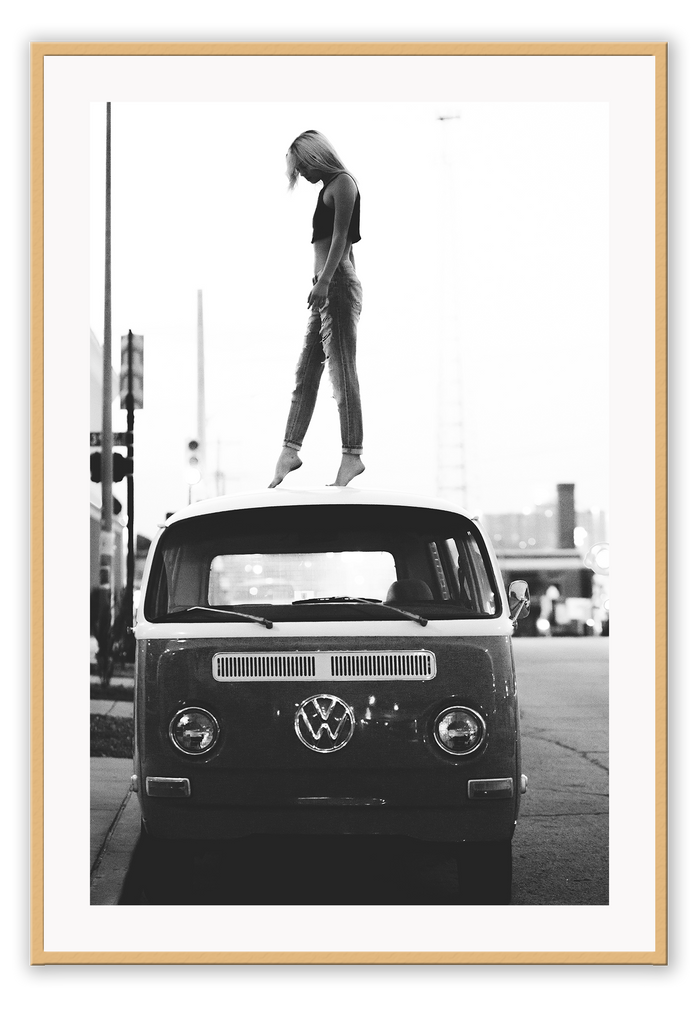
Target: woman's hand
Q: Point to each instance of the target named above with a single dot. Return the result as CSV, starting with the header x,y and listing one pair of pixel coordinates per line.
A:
x,y
318,295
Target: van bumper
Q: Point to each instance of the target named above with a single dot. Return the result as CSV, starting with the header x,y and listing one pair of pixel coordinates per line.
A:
x,y
479,821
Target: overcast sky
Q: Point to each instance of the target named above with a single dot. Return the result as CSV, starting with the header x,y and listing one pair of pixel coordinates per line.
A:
x,y
489,229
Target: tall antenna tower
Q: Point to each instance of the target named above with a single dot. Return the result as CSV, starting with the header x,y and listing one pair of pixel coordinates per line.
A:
x,y
451,456
201,389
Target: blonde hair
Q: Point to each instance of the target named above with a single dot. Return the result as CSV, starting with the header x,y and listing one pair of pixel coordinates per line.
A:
x,y
314,151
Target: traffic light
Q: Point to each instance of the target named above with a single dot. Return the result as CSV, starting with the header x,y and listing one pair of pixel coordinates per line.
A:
x,y
122,466
193,468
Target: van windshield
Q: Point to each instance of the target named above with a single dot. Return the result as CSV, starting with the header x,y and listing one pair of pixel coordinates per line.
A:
x,y
331,562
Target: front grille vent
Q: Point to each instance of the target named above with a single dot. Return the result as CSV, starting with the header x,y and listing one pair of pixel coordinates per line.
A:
x,y
233,666
391,665
229,667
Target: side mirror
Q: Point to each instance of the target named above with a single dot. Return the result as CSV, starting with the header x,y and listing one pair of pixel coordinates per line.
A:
x,y
519,599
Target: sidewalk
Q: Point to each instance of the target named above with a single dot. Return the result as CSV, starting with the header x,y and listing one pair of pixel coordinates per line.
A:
x,y
114,812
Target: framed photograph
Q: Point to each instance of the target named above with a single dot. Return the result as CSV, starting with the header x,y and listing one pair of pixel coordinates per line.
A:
x,y
512,356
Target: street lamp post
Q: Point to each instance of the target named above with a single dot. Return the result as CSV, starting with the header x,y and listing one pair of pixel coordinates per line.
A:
x,y
106,535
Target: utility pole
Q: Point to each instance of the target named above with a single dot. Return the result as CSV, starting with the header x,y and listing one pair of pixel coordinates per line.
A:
x,y
201,386
106,536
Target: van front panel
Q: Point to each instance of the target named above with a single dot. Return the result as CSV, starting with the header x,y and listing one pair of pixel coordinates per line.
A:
x,y
392,759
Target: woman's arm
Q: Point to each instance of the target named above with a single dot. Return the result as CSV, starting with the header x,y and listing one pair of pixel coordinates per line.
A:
x,y
343,191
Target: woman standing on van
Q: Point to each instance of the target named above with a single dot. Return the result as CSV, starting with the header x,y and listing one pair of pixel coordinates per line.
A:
x,y
335,305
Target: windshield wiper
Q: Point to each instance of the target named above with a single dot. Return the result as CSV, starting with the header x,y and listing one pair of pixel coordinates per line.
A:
x,y
267,623
372,601
408,615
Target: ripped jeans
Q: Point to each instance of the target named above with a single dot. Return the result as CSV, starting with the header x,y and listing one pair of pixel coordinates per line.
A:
x,y
330,337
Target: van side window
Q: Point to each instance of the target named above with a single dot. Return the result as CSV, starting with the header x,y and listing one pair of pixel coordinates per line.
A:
x,y
473,571
468,563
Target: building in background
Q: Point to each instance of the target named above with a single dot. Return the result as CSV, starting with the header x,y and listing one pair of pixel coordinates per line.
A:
x,y
548,545
536,528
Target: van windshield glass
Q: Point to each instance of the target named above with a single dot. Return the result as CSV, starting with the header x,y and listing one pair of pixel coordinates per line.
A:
x,y
274,577
304,563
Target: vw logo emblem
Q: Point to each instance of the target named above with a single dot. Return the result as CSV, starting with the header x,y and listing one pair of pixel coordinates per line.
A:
x,y
324,723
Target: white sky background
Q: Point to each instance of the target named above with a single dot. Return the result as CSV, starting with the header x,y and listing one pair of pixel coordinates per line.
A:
x,y
557,273
507,239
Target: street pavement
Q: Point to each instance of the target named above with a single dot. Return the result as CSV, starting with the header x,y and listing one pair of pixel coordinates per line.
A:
x,y
114,812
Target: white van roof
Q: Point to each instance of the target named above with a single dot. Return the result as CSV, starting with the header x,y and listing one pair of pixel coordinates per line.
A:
x,y
279,497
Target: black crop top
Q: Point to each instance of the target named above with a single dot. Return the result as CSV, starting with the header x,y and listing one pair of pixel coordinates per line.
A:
x,y
323,218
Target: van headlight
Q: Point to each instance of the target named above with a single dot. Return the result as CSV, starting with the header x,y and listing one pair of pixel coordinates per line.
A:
x,y
194,731
459,730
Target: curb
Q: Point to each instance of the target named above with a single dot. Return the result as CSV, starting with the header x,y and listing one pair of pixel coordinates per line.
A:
x,y
113,708
112,863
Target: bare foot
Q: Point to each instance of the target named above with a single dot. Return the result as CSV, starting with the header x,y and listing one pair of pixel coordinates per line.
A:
x,y
350,466
288,461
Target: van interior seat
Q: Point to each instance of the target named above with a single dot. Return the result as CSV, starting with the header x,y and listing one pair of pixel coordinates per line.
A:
x,y
408,592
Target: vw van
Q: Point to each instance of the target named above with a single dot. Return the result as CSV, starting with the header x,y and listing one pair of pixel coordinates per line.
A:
x,y
336,662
